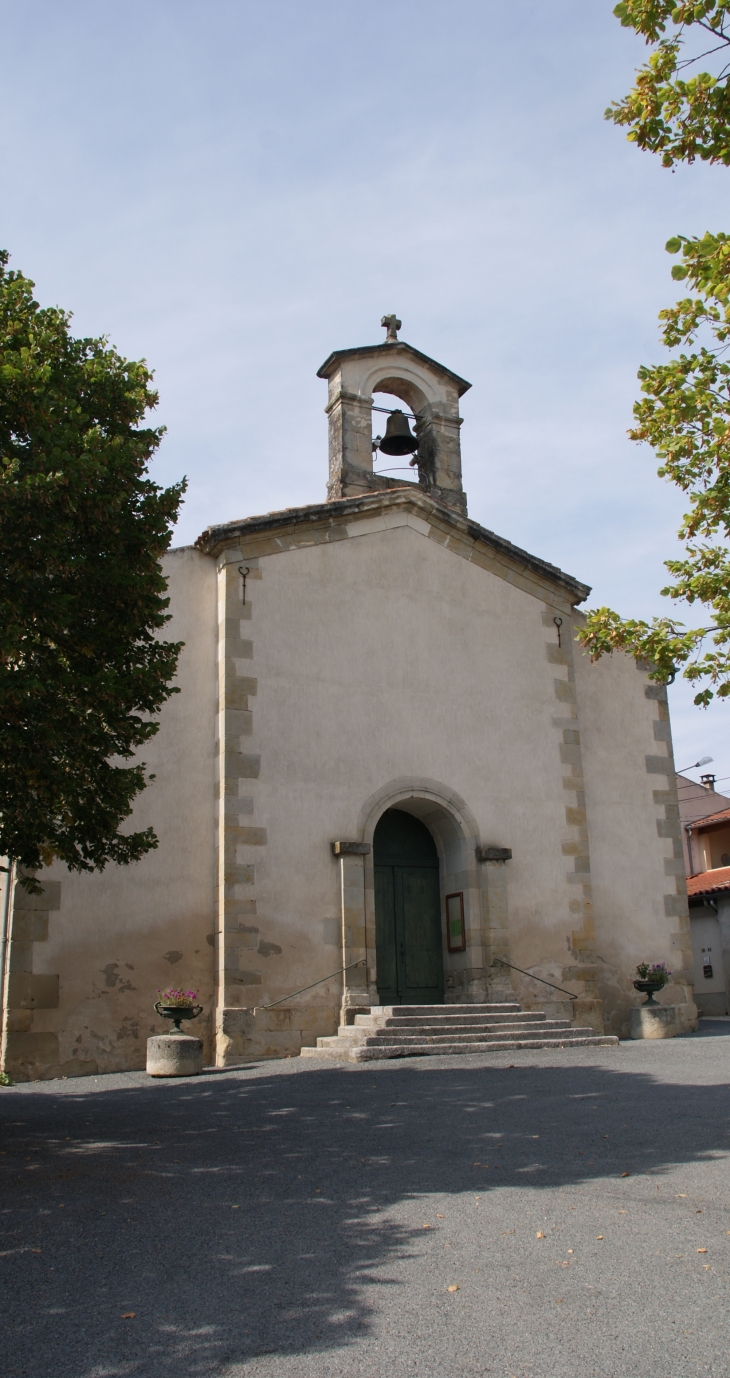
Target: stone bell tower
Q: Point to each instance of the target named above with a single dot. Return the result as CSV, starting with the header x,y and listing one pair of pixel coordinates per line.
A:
x,y
431,392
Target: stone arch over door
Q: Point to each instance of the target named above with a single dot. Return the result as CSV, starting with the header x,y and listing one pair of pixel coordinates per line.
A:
x,y
469,976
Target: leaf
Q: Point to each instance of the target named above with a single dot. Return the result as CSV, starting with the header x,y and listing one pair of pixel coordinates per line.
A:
x,y
625,1174
673,245
539,1235
702,1251
128,1315
599,1236
453,1287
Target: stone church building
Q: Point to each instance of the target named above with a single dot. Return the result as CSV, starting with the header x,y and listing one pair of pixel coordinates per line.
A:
x,y
388,755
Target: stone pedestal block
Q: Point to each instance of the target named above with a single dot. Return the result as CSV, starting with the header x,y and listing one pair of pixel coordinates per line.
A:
x,y
657,1021
588,1012
174,1055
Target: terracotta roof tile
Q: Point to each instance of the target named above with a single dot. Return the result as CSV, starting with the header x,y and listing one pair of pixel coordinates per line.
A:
x,y
707,881
710,818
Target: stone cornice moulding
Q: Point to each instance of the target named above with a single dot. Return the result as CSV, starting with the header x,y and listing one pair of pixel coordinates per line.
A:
x,y
494,854
394,352
320,523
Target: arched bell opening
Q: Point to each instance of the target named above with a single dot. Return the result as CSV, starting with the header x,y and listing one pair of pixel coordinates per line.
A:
x,y
404,446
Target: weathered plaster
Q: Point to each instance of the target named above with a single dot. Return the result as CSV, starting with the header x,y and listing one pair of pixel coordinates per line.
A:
x,y
115,937
636,849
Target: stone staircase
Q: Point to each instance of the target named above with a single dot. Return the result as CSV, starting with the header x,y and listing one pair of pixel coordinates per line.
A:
x,y
441,1030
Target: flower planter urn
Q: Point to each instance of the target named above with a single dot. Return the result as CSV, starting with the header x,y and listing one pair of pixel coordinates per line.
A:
x,y
177,1053
178,1012
649,988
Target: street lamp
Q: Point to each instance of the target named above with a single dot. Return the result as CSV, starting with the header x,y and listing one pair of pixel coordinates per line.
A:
x,y
703,761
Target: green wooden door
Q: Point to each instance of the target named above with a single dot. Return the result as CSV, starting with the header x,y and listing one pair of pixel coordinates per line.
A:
x,y
407,912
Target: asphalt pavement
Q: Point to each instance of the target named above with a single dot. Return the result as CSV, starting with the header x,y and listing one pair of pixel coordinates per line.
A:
x,y
547,1214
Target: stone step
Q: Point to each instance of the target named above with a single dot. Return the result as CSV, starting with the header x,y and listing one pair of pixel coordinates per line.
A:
x,y
560,1032
448,1021
509,1007
423,1030
582,1039
414,1026
525,1035
396,1031
357,1032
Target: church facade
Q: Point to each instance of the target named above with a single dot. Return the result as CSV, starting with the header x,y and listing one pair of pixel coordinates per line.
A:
x,y
391,776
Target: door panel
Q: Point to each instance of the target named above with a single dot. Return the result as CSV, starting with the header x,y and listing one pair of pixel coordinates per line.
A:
x,y
385,936
407,912
707,952
420,906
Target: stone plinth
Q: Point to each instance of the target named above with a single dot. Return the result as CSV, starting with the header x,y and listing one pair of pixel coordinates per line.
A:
x,y
658,1021
174,1055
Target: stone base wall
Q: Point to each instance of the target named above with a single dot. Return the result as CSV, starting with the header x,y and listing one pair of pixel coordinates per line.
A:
x,y
466,987
30,1047
716,1003
252,1034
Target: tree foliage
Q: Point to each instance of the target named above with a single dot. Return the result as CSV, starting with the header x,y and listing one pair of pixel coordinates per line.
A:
x,y
83,669
684,412
680,115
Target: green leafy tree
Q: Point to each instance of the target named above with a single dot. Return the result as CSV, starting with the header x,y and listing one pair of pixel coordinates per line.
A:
x,y
83,669
670,110
684,412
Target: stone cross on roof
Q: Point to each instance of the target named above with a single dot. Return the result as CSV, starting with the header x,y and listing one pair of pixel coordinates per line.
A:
x,y
392,325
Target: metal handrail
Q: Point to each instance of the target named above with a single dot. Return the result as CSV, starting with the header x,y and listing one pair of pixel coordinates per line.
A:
x,y
290,996
498,961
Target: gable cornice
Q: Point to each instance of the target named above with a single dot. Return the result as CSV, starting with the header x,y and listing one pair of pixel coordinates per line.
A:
x,y
393,351
321,523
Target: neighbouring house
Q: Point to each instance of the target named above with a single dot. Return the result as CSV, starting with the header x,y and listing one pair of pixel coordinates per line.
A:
x,y
697,800
709,907
384,720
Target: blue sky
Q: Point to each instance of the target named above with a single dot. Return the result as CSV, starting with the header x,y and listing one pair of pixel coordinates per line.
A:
x,y
233,189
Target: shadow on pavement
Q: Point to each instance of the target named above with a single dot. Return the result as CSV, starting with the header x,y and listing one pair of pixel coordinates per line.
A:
x,y
244,1215
708,1027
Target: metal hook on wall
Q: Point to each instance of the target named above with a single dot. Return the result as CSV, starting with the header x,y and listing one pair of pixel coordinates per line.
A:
x,y
558,623
244,572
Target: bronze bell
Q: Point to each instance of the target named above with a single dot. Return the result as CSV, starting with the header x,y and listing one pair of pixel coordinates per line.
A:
x,y
398,439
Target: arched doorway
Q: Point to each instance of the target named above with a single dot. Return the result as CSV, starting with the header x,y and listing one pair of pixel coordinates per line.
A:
x,y
410,969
